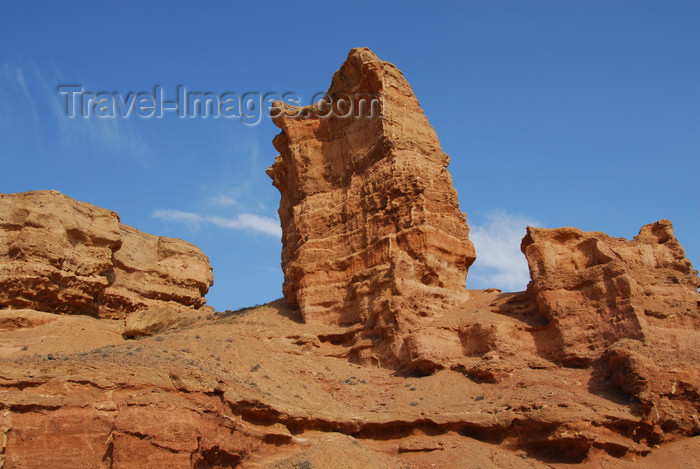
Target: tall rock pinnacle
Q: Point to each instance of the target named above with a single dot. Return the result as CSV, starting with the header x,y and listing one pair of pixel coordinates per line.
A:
x,y
372,230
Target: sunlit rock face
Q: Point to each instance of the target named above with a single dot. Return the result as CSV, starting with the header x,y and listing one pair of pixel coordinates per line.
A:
x,y
596,290
372,230
631,309
64,256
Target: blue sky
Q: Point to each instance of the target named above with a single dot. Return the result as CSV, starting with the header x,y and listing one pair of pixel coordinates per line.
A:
x,y
554,113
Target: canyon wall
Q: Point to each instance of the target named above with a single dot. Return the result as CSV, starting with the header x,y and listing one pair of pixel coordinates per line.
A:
x,y
597,363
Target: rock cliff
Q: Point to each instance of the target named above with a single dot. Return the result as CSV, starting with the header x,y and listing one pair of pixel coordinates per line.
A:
x,y
258,388
630,308
596,290
65,256
372,231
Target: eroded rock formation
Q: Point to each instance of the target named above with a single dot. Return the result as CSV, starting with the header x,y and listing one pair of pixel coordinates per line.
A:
x,y
597,363
630,307
596,290
65,256
372,231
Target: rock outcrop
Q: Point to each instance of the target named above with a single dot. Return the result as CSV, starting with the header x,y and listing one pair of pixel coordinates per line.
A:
x,y
629,307
259,388
372,231
596,290
65,256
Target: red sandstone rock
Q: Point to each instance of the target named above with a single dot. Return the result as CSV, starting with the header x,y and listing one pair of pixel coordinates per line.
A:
x,y
246,390
596,290
632,304
65,256
372,231
260,388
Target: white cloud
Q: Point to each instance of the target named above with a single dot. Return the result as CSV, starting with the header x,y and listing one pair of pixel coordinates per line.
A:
x,y
242,221
177,215
499,262
224,200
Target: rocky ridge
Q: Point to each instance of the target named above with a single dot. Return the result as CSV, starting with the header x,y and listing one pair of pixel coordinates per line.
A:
x,y
64,256
260,388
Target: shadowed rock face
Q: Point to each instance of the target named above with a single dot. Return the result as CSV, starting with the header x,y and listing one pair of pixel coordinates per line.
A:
x,y
65,256
372,231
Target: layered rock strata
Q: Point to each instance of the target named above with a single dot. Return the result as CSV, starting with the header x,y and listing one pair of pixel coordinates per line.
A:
x,y
596,290
64,256
372,231
259,388
629,308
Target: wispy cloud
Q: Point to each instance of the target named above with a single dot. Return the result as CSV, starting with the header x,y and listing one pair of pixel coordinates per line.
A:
x,y
499,262
112,136
15,76
224,201
242,221
27,90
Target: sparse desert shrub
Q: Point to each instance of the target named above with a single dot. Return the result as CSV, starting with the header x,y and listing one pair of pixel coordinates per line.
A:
x,y
237,312
305,464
